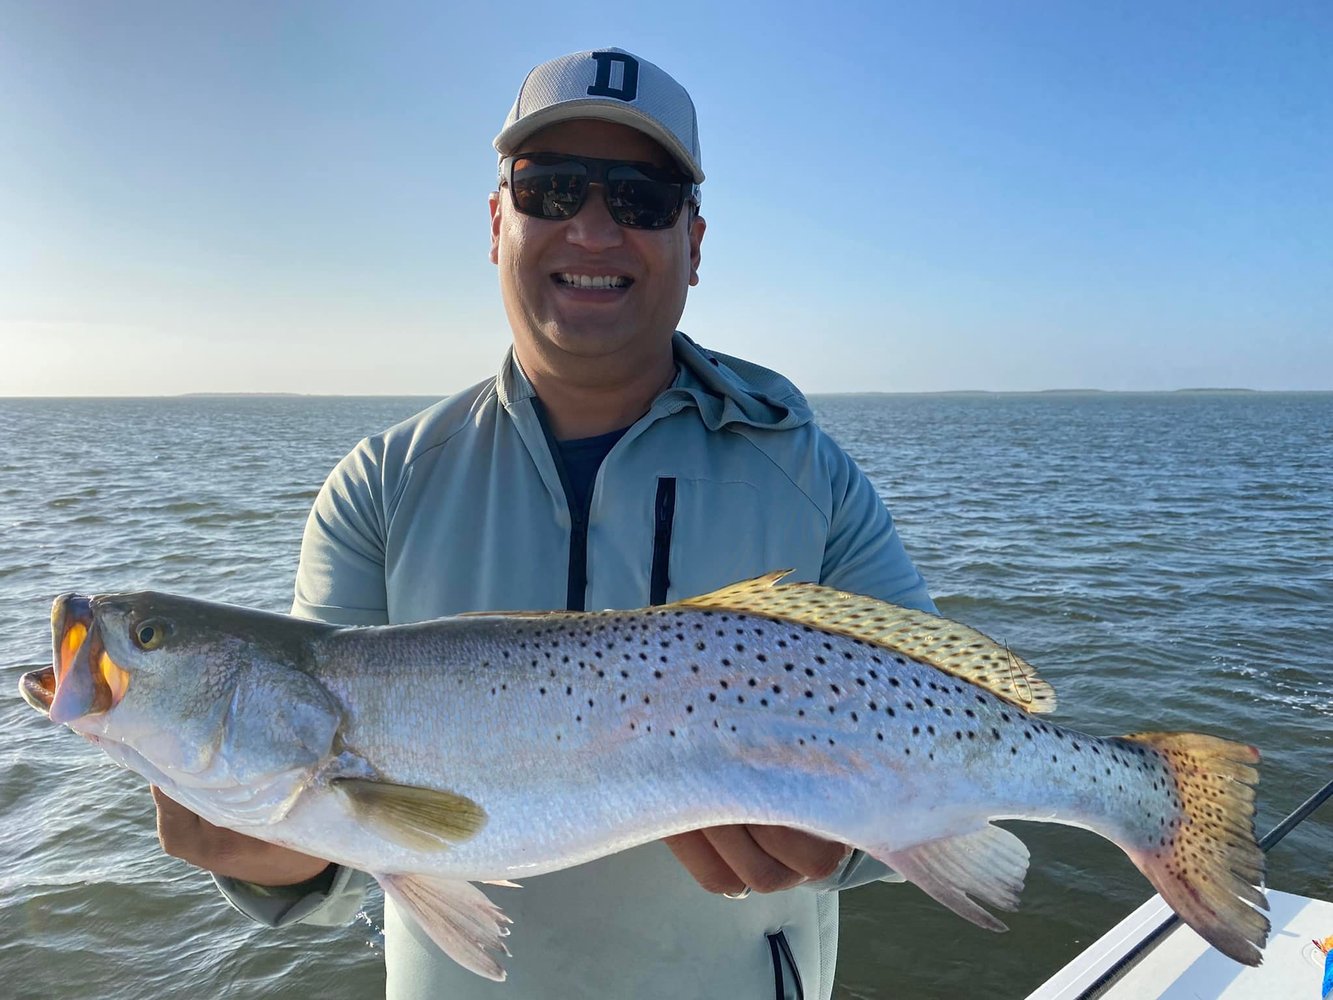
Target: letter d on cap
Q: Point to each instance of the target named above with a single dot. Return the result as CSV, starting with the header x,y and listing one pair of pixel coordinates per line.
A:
x,y
628,87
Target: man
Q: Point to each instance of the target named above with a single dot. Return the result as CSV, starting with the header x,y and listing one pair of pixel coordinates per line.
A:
x,y
611,463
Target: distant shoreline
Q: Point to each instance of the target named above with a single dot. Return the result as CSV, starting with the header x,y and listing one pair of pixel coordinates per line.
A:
x,y
974,393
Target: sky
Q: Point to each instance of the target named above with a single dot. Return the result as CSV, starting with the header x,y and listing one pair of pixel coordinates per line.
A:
x,y
274,196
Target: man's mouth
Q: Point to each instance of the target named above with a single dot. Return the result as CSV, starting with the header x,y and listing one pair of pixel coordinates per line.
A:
x,y
604,282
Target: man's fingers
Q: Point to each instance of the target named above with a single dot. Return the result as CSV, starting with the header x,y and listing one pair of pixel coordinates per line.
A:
x,y
182,834
699,858
756,867
804,853
225,852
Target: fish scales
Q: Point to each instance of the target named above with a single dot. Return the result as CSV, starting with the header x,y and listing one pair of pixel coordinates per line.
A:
x,y
497,746
600,697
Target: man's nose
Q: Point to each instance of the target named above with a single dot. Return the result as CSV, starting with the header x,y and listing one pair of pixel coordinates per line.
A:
x,y
593,228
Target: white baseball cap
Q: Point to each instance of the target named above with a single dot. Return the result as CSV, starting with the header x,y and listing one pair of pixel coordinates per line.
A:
x,y
611,85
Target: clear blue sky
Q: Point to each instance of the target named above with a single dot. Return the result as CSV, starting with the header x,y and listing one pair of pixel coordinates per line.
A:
x,y
276,196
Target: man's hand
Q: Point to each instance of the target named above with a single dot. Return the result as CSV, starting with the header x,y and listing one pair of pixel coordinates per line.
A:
x,y
762,858
226,852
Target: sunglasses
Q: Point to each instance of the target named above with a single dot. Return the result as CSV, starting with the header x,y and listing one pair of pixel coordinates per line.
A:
x,y
555,186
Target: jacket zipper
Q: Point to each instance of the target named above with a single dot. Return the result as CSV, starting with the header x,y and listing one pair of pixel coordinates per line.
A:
x,y
576,586
784,988
664,517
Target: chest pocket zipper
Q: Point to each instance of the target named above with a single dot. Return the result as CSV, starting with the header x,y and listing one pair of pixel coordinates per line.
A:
x,y
664,517
786,977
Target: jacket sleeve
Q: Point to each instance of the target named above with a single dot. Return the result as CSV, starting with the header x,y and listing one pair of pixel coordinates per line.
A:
x,y
864,555
340,580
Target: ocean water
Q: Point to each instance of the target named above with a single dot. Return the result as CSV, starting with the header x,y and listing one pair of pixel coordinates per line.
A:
x,y
1166,560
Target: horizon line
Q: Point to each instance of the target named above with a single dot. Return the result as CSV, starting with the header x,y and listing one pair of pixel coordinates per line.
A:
x,y
1184,390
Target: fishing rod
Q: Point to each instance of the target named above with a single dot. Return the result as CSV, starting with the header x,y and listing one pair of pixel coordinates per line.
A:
x,y
1269,841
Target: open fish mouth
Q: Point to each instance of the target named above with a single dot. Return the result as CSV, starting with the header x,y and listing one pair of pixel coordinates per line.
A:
x,y
82,679
71,618
38,688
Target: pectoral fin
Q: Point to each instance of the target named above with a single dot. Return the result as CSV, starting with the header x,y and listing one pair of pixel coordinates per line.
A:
x,y
989,864
457,916
424,819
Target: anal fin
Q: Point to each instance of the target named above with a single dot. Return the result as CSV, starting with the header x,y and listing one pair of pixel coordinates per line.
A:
x,y
987,865
457,916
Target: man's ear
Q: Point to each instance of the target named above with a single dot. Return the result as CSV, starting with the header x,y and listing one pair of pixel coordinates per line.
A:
x,y
494,203
697,227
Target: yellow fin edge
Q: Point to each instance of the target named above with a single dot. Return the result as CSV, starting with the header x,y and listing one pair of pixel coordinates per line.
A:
x,y
955,648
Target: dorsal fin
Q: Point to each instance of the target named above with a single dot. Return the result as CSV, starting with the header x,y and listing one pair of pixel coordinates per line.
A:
x,y
955,648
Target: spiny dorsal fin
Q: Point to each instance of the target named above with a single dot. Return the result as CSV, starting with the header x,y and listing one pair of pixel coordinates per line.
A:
x,y
421,818
955,648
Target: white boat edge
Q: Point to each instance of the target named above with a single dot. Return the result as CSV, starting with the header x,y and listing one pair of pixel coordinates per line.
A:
x,y
1182,966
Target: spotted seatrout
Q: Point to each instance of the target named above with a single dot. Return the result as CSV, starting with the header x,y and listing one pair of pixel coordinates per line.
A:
x,y
492,747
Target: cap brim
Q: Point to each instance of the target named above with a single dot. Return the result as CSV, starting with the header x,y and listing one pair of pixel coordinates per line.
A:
x,y
511,139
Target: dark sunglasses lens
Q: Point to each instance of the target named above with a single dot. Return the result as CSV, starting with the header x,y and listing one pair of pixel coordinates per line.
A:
x,y
549,190
640,201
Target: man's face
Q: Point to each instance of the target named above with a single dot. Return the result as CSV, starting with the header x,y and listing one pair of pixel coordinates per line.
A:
x,y
578,332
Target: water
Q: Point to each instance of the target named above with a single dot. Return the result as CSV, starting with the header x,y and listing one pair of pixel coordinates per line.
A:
x,y
1165,559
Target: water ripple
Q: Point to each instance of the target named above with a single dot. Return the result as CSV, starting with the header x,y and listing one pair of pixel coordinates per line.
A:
x,y
1163,559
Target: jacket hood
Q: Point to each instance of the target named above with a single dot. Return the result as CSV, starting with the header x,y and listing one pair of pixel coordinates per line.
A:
x,y
724,389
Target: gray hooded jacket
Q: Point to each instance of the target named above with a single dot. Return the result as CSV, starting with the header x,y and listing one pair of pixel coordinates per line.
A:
x,y
463,507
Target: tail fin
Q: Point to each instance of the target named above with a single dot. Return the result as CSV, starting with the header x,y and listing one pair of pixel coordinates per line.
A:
x,y
1208,865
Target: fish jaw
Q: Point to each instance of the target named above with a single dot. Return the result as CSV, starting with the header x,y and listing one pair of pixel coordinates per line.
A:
x,y
71,618
87,680
38,688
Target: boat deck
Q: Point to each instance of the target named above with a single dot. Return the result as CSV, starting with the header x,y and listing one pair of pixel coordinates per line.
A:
x,y
1181,966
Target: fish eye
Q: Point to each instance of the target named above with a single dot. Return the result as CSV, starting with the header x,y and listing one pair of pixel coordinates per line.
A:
x,y
149,635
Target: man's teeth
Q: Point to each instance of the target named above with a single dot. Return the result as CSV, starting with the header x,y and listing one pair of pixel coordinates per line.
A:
x,y
593,281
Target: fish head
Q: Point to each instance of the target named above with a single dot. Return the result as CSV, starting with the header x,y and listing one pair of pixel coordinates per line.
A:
x,y
102,647
191,694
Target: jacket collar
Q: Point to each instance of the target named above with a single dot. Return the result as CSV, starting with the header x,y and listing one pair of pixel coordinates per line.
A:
x,y
725,390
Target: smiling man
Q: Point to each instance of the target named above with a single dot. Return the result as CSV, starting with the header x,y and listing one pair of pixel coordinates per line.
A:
x,y
611,463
